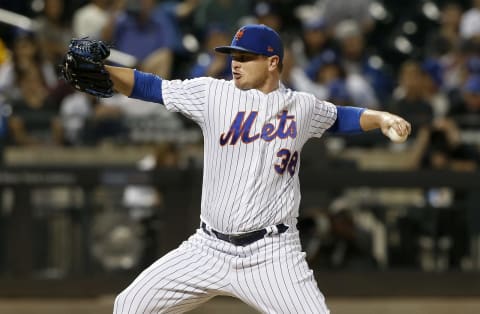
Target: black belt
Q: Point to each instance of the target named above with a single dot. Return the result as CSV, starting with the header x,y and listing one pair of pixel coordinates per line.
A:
x,y
243,239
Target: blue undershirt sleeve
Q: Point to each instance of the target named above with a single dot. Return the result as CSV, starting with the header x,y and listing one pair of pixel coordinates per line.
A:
x,y
147,87
348,120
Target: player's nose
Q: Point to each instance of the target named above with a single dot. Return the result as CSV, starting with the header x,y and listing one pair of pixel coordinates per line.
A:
x,y
235,64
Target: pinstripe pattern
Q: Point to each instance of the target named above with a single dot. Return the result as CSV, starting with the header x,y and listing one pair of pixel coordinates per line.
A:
x,y
178,281
252,145
271,275
241,190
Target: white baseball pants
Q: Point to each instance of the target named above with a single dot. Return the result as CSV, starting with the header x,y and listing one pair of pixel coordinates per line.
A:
x,y
271,275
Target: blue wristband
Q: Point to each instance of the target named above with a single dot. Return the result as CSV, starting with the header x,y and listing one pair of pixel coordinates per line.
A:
x,y
348,120
147,87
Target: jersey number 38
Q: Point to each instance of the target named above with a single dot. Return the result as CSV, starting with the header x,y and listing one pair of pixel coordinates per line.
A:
x,y
288,161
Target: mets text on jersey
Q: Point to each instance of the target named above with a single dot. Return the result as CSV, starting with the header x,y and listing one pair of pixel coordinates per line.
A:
x,y
241,127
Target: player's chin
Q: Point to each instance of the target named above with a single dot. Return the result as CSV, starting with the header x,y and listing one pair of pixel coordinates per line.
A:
x,y
240,84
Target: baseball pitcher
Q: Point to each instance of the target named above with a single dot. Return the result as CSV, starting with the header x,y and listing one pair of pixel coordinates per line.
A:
x,y
247,244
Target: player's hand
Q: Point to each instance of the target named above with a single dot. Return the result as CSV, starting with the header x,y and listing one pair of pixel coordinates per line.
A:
x,y
394,127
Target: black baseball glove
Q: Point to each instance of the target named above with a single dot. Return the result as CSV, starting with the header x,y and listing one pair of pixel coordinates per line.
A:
x,y
83,67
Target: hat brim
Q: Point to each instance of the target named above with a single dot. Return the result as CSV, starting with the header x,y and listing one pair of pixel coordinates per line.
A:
x,y
230,49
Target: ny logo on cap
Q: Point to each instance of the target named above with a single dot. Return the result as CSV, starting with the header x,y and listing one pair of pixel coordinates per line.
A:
x,y
239,34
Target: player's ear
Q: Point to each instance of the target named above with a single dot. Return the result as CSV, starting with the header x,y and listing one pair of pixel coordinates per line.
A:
x,y
273,62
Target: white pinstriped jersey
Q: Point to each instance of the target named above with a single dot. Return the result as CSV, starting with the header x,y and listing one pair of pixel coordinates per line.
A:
x,y
252,144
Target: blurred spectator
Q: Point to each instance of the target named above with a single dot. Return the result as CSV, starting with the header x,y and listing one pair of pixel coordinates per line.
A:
x,y
294,77
334,238
465,103
335,11
454,69
147,122
445,45
470,23
338,92
87,120
208,62
147,37
179,14
181,8
53,31
34,120
26,56
228,12
75,110
446,151
434,92
358,61
344,88
447,238
409,97
266,12
313,40
441,41
93,19
326,72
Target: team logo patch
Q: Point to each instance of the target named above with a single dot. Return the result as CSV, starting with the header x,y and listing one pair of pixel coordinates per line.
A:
x,y
239,34
269,49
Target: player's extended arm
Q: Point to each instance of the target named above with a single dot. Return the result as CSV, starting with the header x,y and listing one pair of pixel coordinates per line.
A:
x,y
354,120
136,84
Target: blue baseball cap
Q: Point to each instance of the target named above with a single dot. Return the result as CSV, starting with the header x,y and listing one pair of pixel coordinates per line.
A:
x,y
255,38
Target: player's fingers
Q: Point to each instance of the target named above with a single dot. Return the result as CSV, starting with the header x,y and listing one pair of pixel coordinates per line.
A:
x,y
405,126
409,128
402,126
397,126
